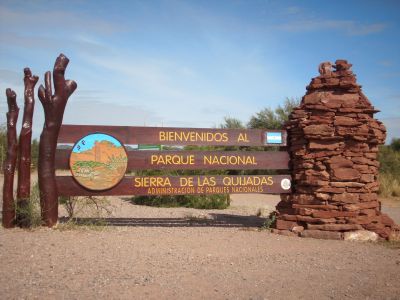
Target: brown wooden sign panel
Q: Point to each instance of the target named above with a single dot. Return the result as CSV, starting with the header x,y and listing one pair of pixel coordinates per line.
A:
x,y
177,136
196,160
183,185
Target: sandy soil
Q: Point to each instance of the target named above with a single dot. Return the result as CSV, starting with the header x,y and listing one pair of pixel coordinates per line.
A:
x,y
179,253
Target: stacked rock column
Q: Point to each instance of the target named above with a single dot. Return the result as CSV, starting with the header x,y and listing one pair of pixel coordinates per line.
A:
x,y
333,143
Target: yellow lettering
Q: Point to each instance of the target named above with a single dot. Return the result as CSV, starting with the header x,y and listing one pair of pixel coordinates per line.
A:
x,y
206,181
152,182
168,159
207,160
243,138
186,181
162,135
193,136
229,160
137,182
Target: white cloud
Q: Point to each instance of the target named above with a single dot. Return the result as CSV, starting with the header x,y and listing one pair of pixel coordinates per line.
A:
x,y
11,77
183,95
89,112
52,43
48,20
347,26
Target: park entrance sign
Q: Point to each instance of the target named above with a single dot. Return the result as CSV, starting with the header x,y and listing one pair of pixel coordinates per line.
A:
x,y
99,161
332,139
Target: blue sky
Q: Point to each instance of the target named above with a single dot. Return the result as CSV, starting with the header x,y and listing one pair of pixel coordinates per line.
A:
x,y
88,141
191,63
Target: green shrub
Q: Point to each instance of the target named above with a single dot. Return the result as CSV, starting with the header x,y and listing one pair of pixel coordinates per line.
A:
x,y
389,161
389,172
29,214
192,201
86,206
269,221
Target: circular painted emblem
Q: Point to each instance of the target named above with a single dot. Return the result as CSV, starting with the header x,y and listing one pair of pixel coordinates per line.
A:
x,y
98,161
285,184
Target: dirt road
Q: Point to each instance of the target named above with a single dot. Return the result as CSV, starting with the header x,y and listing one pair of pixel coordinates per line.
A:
x,y
161,253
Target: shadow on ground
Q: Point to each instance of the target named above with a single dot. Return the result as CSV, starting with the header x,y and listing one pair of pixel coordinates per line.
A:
x,y
215,220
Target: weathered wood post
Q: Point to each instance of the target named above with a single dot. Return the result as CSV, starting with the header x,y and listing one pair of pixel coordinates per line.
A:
x,y
11,160
24,150
54,106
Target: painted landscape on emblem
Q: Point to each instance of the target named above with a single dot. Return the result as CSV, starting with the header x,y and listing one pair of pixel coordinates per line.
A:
x,y
98,161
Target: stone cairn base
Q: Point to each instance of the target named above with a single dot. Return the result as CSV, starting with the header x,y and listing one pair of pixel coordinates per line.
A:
x,y
333,143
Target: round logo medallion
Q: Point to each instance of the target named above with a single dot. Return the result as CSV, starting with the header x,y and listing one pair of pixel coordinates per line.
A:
x,y
285,184
98,161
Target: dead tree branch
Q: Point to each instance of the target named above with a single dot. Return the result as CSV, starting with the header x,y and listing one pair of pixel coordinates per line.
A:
x,y
54,106
25,139
11,160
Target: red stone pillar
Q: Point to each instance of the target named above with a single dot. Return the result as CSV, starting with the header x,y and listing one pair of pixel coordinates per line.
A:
x,y
333,143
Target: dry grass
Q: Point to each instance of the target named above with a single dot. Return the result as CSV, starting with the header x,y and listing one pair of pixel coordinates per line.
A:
x,y
389,185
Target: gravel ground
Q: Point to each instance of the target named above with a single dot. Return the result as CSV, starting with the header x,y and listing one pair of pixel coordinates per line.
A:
x,y
179,253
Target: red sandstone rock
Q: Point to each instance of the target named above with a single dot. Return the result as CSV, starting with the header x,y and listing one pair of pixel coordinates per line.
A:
x,y
346,121
345,174
346,184
285,225
380,229
364,161
337,99
363,220
311,206
367,178
386,220
321,145
323,196
309,219
346,198
333,214
369,212
361,205
339,162
324,130
288,217
319,234
313,98
333,190
362,168
334,227
304,211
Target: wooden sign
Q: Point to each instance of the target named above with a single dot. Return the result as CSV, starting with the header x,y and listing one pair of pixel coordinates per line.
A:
x,y
196,160
183,185
129,135
98,161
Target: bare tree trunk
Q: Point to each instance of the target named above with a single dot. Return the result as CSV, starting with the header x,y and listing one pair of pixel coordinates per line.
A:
x,y
11,160
25,138
54,106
